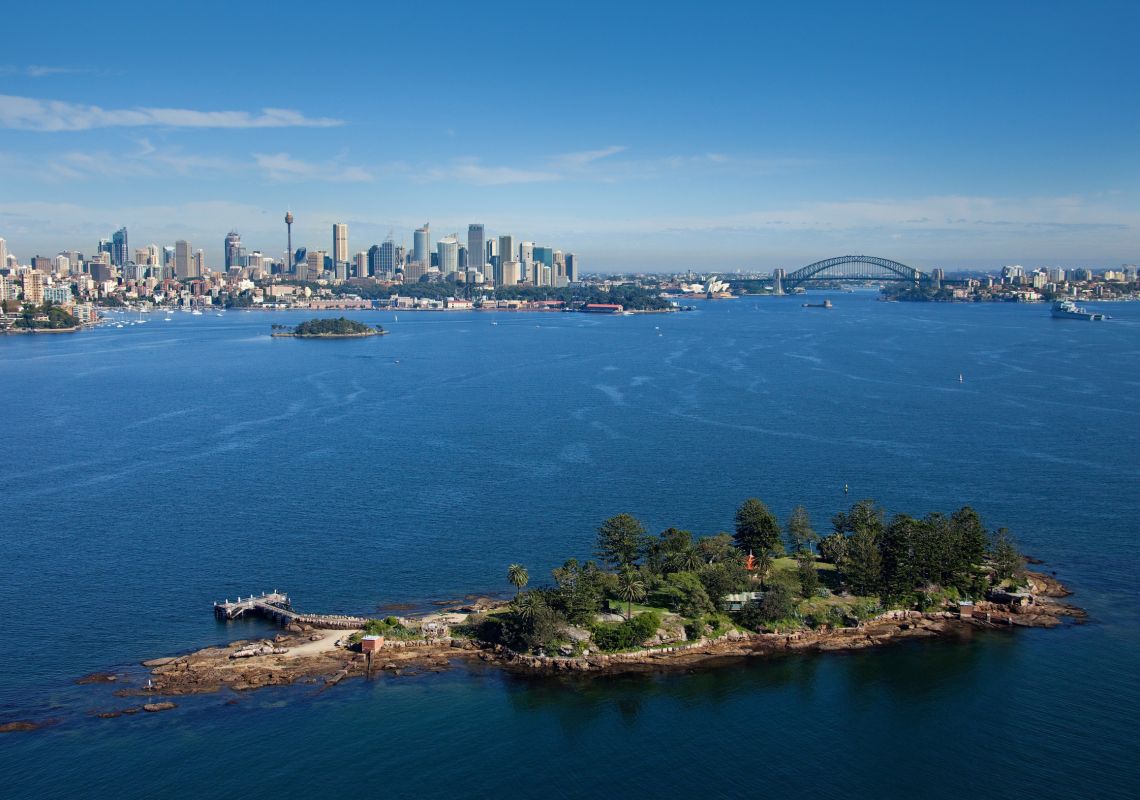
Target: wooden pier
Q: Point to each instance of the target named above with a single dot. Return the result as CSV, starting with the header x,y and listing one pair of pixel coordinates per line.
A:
x,y
276,606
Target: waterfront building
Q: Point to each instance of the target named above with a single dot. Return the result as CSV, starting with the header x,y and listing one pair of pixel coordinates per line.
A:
x,y
34,284
120,254
448,255
8,288
231,247
476,241
421,246
183,260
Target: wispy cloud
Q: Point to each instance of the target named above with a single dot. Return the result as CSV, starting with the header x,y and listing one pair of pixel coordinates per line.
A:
x,y
584,157
284,167
33,114
42,71
471,170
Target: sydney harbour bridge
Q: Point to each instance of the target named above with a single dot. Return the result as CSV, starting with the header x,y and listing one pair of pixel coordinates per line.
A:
x,y
848,268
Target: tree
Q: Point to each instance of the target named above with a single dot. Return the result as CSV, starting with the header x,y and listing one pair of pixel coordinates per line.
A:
x,y
899,550
1008,563
717,549
801,536
579,593
833,548
757,532
805,567
723,578
621,541
518,576
630,587
863,566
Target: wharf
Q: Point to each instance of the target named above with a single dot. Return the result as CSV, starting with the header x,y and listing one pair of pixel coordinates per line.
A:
x,y
277,607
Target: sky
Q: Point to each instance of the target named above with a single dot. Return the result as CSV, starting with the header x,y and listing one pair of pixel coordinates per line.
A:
x,y
641,136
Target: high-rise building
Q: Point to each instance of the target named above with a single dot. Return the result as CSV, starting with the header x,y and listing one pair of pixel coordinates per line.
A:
x,y
199,263
361,261
544,255
526,258
232,246
508,273
120,255
34,284
315,263
421,246
3,254
506,248
61,265
183,260
573,274
387,260
374,267
448,248
340,243
475,242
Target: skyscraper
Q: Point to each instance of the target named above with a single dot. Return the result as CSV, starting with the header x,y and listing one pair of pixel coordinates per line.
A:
x,y
572,268
233,244
183,259
421,246
120,255
388,259
361,263
3,254
374,261
475,243
340,243
506,248
449,255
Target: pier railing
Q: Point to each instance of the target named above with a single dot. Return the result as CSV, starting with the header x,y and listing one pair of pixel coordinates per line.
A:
x,y
277,607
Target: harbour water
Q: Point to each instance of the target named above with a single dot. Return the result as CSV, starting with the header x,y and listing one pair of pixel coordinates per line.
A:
x,y
153,469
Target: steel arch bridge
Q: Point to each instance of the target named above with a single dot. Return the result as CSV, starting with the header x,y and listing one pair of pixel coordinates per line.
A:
x,y
853,268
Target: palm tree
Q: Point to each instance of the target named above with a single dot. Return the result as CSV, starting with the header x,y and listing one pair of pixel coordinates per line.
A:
x,y
530,605
631,587
686,560
518,576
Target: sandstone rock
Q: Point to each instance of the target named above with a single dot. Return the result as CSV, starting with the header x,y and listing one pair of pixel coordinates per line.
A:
x,y
159,662
293,627
153,707
18,726
96,677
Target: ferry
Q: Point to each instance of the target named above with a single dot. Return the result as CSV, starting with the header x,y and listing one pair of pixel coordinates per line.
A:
x,y
824,304
1067,309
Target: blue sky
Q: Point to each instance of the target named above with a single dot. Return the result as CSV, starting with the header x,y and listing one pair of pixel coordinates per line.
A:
x,y
652,136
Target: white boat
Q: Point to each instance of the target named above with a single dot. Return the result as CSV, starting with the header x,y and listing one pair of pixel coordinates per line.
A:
x,y
196,312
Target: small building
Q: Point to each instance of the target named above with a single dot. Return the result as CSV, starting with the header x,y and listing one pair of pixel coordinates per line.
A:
x,y
735,602
603,308
966,609
371,644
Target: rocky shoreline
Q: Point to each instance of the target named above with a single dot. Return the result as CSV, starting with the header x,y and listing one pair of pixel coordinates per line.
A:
x,y
301,655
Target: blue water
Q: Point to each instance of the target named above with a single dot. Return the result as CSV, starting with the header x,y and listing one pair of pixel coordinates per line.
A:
x,y
150,470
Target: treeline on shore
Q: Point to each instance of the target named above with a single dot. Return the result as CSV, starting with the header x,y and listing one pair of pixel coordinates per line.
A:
x,y
781,576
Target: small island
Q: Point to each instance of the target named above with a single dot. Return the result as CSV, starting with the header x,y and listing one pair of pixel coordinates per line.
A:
x,y
659,602
339,328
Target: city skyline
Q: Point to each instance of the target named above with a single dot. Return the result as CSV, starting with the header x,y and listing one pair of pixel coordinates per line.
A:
x,y
998,135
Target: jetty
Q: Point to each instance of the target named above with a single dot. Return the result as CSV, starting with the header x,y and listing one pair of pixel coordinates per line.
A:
x,y
277,607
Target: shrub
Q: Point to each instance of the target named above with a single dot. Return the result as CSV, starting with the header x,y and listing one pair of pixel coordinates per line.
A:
x,y
626,635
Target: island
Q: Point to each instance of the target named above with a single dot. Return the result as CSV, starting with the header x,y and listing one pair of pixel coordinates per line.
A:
x,y
659,602
339,328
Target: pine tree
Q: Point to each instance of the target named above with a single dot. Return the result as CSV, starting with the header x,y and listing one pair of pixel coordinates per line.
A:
x,y
758,532
800,533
